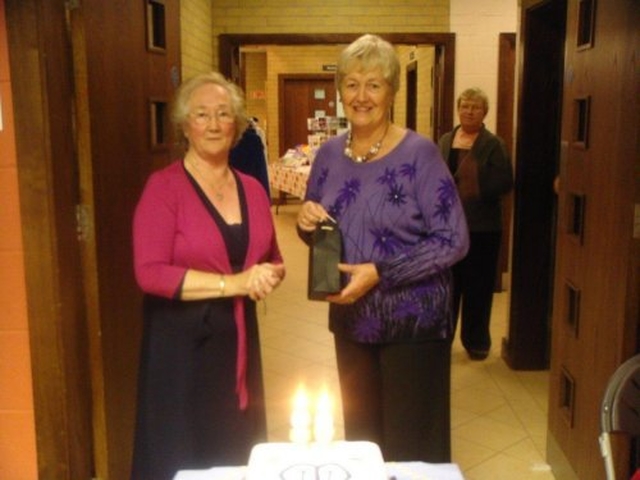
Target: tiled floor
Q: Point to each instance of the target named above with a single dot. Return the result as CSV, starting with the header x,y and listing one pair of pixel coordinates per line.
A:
x,y
498,415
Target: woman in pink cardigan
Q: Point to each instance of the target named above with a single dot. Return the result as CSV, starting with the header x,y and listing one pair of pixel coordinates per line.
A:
x,y
205,251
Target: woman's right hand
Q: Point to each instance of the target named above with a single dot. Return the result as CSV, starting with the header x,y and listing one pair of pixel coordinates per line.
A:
x,y
310,214
262,279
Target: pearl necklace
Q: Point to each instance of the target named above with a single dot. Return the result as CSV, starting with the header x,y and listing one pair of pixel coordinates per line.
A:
x,y
373,151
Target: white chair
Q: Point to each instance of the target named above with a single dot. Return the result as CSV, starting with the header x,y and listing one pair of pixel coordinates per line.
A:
x,y
620,410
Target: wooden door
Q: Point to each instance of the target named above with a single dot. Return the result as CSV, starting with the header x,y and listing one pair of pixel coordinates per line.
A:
x,y
596,292
302,97
91,88
131,71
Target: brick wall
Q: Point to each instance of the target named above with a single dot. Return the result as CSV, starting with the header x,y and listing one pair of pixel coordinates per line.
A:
x,y
256,85
17,424
329,16
196,37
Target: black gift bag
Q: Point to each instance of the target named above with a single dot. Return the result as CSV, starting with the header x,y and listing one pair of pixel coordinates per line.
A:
x,y
325,253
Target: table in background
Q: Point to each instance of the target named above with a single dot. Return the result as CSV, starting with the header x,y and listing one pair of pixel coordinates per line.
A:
x,y
288,181
395,470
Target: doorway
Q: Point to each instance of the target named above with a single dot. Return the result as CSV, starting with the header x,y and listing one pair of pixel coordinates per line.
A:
x,y
538,153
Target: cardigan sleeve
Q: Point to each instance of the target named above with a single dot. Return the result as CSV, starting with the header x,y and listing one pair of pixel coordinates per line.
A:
x,y
154,230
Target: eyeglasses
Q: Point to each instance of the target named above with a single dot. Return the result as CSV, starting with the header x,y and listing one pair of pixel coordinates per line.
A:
x,y
202,118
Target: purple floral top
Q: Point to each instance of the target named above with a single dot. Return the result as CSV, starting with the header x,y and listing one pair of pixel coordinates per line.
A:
x,y
403,213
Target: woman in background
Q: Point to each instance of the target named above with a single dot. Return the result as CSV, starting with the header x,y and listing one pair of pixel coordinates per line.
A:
x,y
480,164
205,251
402,227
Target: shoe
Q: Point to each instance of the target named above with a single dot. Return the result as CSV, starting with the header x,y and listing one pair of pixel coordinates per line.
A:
x,y
478,354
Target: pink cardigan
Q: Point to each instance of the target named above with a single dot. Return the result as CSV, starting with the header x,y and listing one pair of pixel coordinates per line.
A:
x,y
173,231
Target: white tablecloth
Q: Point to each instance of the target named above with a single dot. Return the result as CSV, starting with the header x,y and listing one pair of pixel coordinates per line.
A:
x,y
395,471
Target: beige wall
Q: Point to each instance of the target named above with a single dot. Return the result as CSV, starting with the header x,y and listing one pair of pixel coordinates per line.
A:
x,y
195,37
424,55
255,62
477,25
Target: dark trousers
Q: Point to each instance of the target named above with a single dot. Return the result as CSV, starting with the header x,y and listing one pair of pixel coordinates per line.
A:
x,y
398,396
474,280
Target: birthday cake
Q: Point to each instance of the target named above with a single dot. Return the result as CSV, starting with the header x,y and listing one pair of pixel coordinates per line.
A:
x,y
335,460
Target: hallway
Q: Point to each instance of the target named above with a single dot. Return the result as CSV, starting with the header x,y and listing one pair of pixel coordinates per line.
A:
x,y
498,415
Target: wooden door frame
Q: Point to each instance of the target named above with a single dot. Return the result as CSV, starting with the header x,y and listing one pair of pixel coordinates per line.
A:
x,y
229,46
505,104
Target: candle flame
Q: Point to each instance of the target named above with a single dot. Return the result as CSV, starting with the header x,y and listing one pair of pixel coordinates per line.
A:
x,y
323,422
300,431
301,401
323,428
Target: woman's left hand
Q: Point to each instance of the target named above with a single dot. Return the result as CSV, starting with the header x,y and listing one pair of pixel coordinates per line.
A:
x,y
362,278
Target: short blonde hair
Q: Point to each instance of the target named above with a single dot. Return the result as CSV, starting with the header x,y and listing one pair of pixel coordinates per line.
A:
x,y
180,110
369,52
475,94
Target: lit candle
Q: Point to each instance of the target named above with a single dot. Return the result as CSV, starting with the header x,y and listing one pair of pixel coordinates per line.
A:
x,y
323,422
300,431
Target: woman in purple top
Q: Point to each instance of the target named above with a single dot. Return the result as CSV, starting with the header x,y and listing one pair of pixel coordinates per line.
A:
x,y
402,228
205,251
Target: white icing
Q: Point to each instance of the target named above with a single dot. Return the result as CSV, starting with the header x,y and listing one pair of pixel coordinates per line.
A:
x,y
315,461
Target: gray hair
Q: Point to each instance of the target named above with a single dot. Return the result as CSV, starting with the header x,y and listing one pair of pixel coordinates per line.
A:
x,y
474,94
183,95
369,52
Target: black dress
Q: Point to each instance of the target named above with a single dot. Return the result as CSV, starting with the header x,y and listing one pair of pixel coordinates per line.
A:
x,y
188,414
